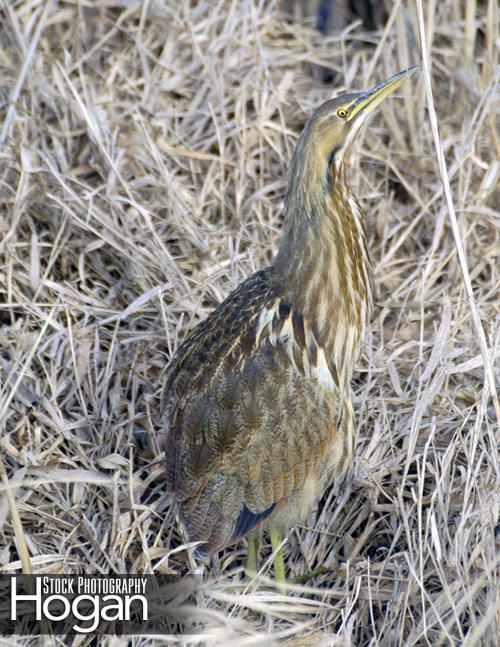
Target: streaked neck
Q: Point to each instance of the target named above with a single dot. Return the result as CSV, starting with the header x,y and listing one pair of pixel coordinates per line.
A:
x,y
323,266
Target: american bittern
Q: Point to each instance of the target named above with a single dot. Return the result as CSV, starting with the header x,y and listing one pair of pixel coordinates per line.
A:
x,y
257,401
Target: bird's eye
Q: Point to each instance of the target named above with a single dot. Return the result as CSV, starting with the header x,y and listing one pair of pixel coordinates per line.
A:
x,y
342,113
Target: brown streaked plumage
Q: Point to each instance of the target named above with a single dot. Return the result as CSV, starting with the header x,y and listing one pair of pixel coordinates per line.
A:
x,y
257,401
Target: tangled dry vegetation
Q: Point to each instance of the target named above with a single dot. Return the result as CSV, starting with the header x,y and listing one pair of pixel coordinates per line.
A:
x,y
143,158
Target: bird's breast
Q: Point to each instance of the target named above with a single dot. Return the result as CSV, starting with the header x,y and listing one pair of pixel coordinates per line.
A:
x,y
320,346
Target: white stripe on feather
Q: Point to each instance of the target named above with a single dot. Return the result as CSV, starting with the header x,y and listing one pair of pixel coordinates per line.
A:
x,y
321,372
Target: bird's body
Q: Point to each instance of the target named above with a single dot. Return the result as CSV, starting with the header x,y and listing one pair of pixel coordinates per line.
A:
x,y
257,402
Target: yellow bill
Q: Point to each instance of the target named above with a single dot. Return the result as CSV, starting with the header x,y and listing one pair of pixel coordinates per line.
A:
x,y
369,100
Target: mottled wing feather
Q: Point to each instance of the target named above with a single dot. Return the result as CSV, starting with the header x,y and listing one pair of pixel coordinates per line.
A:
x,y
250,411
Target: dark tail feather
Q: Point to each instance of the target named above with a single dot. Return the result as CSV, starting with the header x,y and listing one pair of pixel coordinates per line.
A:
x,y
248,520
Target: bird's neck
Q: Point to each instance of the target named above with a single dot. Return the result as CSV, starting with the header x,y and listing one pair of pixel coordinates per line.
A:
x,y
323,267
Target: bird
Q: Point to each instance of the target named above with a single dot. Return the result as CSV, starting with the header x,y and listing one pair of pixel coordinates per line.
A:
x,y
256,402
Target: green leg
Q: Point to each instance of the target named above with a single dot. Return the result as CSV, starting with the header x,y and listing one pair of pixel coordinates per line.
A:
x,y
252,554
279,559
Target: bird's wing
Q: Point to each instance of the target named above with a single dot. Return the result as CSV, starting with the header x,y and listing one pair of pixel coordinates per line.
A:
x,y
250,410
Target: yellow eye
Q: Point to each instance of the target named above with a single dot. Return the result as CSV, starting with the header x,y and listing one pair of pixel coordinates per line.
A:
x,y
342,113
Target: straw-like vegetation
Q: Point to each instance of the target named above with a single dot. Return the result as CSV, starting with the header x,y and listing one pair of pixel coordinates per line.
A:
x,y
143,159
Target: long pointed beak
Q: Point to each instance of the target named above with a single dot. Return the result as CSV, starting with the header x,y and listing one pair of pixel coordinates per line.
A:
x,y
369,100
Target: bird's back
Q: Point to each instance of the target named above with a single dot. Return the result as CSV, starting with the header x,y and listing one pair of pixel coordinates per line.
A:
x,y
252,416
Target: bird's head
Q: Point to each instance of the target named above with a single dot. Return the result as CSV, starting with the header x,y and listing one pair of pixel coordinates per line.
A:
x,y
329,133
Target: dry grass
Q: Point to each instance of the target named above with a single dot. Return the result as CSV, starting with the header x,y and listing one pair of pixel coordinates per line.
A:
x,y
143,157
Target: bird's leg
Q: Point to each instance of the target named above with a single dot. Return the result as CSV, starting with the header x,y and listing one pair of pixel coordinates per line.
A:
x,y
252,553
279,559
